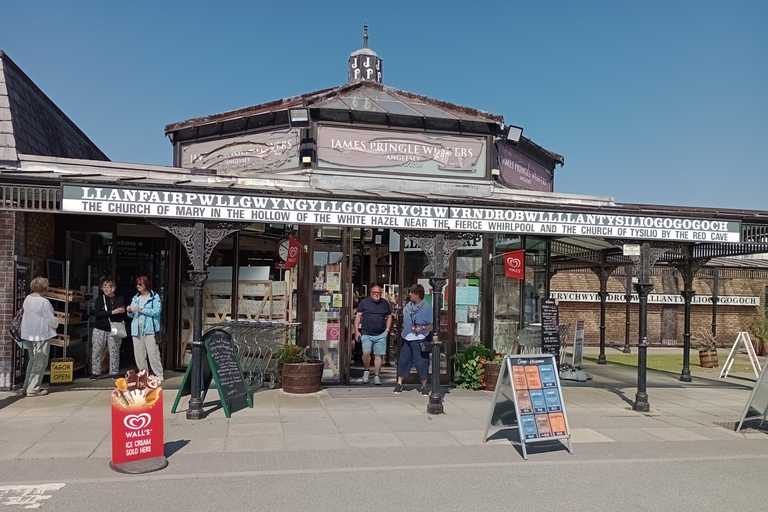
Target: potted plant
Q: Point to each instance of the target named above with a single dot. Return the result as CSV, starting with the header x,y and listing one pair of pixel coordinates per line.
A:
x,y
298,373
471,366
758,330
491,368
707,345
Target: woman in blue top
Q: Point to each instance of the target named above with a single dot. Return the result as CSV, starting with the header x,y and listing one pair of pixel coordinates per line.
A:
x,y
145,311
417,327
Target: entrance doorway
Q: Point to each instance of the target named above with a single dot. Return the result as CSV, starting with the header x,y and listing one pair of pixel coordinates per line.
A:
x,y
347,263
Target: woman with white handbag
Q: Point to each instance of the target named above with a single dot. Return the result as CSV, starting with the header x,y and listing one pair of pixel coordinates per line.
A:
x,y
108,330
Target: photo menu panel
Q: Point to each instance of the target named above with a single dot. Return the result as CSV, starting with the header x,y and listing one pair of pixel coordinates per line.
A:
x,y
539,398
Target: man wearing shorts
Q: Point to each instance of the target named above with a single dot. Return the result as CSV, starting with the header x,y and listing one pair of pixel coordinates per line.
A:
x,y
372,323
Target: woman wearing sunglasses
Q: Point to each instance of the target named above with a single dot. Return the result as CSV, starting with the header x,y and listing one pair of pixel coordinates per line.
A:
x,y
145,311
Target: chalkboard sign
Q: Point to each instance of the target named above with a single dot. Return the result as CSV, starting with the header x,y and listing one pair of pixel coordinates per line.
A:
x,y
528,396
55,269
550,329
221,366
224,365
757,404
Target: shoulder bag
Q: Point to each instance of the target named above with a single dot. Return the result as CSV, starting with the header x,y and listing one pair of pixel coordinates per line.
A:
x,y
117,329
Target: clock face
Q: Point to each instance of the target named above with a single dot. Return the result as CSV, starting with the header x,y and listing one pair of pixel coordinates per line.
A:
x,y
282,250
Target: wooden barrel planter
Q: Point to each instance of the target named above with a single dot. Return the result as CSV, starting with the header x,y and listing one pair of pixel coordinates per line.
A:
x,y
491,375
708,358
302,377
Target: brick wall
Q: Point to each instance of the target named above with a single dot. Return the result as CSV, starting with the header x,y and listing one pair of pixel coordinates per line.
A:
x,y
25,234
39,237
7,250
730,319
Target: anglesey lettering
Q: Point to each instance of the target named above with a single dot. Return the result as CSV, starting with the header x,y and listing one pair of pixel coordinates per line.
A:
x,y
291,210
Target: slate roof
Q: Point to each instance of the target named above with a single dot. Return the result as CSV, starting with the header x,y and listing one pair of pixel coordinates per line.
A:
x,y
31,124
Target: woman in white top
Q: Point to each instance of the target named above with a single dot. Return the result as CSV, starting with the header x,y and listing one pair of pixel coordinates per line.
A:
x,y
38,326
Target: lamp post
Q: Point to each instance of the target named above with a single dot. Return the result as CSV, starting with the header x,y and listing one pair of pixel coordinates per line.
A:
x,y
643,288
437,282
198,275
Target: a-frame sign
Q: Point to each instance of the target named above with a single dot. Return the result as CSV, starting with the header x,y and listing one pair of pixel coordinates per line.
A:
x,y
528,396
221,366
742,339
757,404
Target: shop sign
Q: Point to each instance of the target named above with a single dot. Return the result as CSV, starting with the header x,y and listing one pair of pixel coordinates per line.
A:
x,y
61,370
514,264
288,253
148,203
416,153
252,152
518,171
658,298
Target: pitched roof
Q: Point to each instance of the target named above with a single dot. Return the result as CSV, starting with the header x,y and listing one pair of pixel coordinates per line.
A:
x,y
365,102
31,124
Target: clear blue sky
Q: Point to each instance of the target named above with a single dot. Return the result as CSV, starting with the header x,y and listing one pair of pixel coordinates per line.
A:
x,y
659,102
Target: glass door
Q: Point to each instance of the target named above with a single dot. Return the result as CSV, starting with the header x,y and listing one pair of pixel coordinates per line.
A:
x,y
328,302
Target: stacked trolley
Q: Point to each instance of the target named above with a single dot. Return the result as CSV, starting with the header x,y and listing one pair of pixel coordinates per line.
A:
x,y
256,343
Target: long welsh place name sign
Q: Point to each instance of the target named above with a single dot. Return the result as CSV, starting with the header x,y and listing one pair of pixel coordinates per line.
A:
x,y
295,210
658,298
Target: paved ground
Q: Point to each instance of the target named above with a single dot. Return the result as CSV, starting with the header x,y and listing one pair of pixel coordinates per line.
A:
x,y
343,427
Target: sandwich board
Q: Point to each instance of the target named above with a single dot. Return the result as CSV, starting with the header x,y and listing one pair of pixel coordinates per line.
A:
x,y
757,403
742,338
528,396
221,366
577,357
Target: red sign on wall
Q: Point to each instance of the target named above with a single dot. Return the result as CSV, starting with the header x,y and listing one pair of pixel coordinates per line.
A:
x,y
288,253
137,422
514,264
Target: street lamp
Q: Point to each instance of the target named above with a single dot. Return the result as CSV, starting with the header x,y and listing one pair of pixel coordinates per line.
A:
x,y
437,281
643,288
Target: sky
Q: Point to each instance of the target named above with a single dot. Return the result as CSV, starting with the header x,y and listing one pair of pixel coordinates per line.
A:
x,y
654,102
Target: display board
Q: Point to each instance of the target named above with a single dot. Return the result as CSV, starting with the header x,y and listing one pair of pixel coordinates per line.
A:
x,y
137,424
742,339
757,403
221,366
550,329
577,357
528,395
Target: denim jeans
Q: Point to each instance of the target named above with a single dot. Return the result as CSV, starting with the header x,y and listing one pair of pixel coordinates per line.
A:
x,y
410,353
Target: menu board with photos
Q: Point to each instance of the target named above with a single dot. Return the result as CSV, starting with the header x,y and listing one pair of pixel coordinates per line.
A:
x,y
537,396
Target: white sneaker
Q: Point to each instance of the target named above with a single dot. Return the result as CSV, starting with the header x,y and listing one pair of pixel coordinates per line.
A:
x,y
366,373
376,380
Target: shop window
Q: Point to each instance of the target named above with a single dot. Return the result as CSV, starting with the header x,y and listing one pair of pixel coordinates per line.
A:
x,y
506,297
327,304
467,312
265,292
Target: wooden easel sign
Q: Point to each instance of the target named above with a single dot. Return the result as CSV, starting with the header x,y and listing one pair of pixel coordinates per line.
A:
x,y
742,338
528,396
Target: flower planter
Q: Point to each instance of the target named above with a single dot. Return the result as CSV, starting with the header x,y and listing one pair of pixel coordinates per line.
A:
x,y
491,375
708,358
302,377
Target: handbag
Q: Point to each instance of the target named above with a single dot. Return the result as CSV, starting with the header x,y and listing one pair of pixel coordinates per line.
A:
x,y
425,345
159,336
116,329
